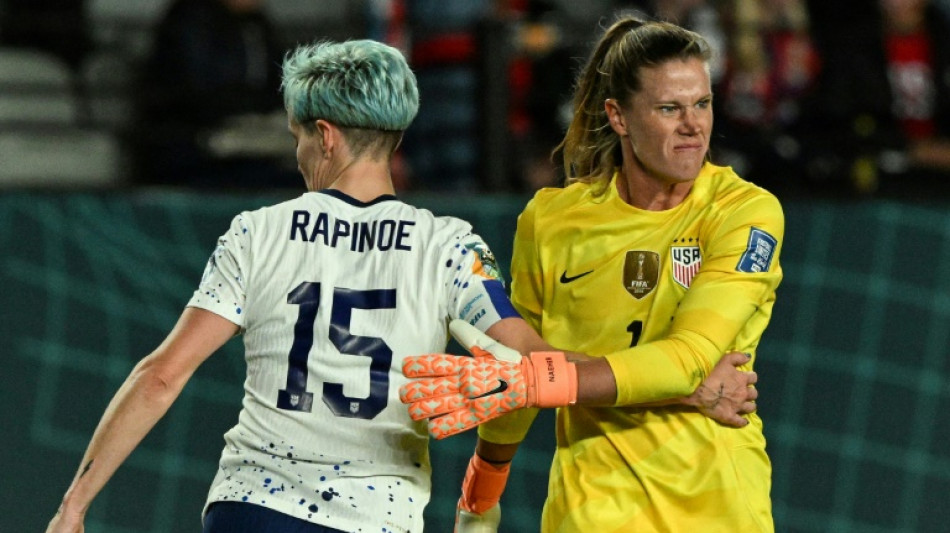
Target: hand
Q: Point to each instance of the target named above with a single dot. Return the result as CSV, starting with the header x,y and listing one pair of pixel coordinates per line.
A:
x,y
478,510
66,522
469,522
457,393
727,393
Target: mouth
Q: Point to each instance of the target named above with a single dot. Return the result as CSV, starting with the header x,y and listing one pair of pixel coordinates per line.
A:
x,y
688,148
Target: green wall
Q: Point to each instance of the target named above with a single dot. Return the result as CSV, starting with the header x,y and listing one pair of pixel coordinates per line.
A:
x,y
853,371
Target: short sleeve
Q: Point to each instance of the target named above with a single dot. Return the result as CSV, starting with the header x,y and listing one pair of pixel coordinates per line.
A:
x,y
222,289
476,286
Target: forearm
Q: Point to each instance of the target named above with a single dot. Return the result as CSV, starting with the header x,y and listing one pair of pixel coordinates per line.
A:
x,y
596,384
662,370
664,378
517,334
140,402
456,393
726,393
494,452
137,406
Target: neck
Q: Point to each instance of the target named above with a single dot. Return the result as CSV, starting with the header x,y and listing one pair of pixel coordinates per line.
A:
x,y
365,180
643,190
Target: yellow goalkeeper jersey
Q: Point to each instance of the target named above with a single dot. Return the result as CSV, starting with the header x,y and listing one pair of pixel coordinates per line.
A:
x,y
663,295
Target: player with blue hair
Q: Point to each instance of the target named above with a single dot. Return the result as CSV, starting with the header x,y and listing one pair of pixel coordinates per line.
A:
x,y
331,291
359,85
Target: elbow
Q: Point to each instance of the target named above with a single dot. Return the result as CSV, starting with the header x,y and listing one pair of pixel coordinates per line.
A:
x,y
697,354
156,383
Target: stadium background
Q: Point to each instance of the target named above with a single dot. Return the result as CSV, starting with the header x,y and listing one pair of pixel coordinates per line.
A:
x,y
854,367
854,388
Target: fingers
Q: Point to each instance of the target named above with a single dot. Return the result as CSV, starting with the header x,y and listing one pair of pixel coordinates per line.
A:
x,y
732,419
753,378
749,406
435,407
737,358
452,423
420,389
431,365
481,345
752,394
479,352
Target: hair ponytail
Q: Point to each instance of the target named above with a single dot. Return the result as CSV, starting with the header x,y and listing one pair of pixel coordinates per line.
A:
x,y
590,148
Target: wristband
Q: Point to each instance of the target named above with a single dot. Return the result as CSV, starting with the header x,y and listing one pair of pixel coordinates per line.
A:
x,y
483,485
555,380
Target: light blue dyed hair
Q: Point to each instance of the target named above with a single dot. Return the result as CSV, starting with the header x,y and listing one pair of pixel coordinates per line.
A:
x,y
352,84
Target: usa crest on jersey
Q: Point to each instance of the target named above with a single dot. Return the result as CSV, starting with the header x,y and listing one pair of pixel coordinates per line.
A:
x,y
685,263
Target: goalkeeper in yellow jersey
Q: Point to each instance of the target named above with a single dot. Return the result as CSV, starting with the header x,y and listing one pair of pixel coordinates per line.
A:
x,y
656,262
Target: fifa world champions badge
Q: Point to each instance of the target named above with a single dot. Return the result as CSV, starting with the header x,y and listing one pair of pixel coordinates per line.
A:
x,y
641,269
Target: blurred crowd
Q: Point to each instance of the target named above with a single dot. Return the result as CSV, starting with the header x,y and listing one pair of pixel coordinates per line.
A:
x,y
846,98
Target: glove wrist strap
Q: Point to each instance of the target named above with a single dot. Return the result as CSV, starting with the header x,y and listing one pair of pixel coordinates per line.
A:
x,y
555,380
483,485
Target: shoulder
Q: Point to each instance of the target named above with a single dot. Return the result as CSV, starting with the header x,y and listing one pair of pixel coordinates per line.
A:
x,y
738,207
277,215
554,200
729,192
430,228
275,210
426,218
424,215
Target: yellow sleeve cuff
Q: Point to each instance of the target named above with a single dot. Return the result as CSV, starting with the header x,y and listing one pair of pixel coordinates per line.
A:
x,y
650,375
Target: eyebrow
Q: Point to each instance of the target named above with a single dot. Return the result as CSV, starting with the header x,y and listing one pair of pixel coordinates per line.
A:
x,y
707,96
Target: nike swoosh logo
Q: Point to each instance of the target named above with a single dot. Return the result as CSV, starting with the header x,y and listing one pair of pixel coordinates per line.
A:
x,y
567,279
502,387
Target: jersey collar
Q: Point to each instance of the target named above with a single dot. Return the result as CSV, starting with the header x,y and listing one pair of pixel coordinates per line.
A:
x,y
339,195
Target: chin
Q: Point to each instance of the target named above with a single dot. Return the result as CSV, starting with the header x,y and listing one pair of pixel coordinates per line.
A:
x,y
688,172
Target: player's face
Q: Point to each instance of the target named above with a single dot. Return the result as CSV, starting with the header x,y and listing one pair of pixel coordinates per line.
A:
x,y
308,153
668,121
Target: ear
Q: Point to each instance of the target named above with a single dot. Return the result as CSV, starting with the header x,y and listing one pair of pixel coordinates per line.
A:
x,y
326,135
615,116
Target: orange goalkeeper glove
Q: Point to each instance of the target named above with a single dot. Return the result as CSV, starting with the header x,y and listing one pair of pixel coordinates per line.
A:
x,y
457,393
478,509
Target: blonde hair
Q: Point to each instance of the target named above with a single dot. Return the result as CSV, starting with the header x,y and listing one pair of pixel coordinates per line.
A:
x,y
590,148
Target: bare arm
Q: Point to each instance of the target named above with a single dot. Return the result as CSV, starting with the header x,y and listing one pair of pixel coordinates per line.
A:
x,y
148,392
724,395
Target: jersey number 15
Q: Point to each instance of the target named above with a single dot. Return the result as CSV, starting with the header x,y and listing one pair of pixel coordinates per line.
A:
x,y
295,396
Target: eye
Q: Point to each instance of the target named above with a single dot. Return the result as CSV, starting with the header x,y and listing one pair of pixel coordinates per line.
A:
x,y
704,103
668,109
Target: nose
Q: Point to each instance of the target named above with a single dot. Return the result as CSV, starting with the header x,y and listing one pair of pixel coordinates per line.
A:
x,y
690,123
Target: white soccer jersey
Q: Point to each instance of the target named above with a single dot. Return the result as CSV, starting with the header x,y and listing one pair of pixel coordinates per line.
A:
x,y
331,294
